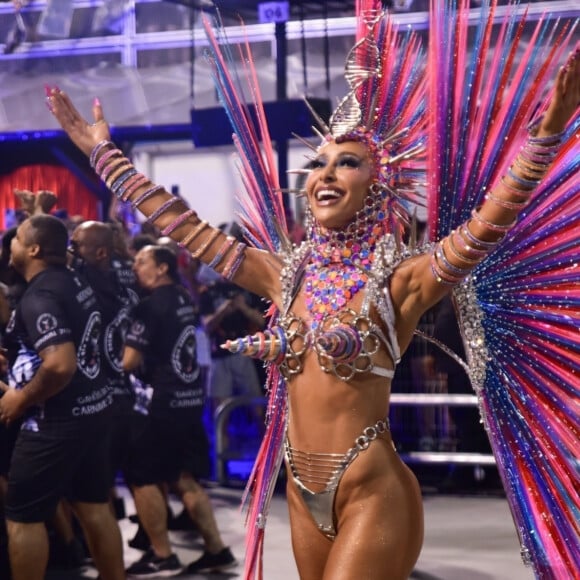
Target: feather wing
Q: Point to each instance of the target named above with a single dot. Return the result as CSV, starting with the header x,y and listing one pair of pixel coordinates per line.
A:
x,y
528,291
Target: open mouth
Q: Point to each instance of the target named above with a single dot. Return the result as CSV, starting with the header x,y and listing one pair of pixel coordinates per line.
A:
x,y
327,195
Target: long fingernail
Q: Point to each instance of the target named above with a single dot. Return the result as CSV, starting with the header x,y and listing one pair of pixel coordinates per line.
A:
x,y
47,90
96,102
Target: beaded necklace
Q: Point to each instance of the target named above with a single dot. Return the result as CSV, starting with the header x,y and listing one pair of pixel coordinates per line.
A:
x,y
341,260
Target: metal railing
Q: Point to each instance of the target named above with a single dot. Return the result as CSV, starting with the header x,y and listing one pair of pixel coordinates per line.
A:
x,y
223,454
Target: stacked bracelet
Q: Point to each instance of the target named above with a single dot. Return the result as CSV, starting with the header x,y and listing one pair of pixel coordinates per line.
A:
x,y
137,181
222,251
449,268
204,246
514,205
497,228
463,252
234,262
105,157
114,169
117,182
527,183
163,208
441,275
146,195
97,149
193,234
178,222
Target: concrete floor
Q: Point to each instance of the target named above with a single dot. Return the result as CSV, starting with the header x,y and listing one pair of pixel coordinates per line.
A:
x,y
466,538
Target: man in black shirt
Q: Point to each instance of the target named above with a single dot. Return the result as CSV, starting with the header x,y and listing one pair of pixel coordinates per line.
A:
x,y
170,445
92,256
62,448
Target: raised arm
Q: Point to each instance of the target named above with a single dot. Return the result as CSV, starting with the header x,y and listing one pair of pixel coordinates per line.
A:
x,y
252,269
423,281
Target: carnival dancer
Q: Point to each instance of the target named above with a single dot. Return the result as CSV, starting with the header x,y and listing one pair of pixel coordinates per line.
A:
x,y
346,302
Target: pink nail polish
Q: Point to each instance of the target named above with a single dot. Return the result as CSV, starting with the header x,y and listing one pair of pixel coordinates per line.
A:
x,y
96,102
47,90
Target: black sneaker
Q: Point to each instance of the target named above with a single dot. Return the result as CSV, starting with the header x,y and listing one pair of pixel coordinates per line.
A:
x,y
140,541
151,566
213,562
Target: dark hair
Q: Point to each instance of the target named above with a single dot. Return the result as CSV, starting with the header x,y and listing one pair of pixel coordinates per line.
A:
x,y
140,241
51,235
165,255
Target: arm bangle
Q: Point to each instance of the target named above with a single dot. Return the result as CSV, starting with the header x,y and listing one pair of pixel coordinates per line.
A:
x,y
222,252
133,186
501,228
177,222
163,208
531,183
467,259
97,149
117,186
515,205
101,163
206,243
193,234
488,246
513,190
114,169
441,276
447,265
146,195
234,262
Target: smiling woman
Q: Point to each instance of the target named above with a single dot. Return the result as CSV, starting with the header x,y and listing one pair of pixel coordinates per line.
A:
x,y
346,302
339,182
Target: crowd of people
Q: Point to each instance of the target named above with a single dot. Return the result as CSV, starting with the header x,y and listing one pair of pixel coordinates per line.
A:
x,y
102,374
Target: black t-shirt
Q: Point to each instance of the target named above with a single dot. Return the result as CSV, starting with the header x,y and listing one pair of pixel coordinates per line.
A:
x,y
115,302
234,325
58,307
123,269
163,330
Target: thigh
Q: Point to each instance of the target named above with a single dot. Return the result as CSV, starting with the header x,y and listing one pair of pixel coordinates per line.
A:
x,y
379,519
309,545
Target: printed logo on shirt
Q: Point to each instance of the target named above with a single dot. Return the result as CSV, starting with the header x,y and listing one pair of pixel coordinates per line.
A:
x,y
137,328
45,323
23,369
88,355
183,357
115,334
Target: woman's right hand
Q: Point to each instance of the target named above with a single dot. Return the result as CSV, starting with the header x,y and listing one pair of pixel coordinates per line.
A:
x,y
83,134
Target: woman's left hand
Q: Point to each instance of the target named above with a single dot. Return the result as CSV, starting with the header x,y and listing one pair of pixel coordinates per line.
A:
x,y
566,98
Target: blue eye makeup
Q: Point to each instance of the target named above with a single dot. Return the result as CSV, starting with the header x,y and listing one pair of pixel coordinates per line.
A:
x,y
344,161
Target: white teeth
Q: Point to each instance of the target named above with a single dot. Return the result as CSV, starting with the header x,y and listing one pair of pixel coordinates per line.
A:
x,y
326,194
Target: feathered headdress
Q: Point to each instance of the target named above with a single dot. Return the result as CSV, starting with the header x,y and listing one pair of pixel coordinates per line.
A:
x,y
385,109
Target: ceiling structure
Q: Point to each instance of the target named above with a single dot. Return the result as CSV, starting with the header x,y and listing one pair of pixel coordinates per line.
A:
x,y
145,58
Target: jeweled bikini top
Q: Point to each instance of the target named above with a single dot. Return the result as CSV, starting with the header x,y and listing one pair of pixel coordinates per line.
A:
x,y
345,341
